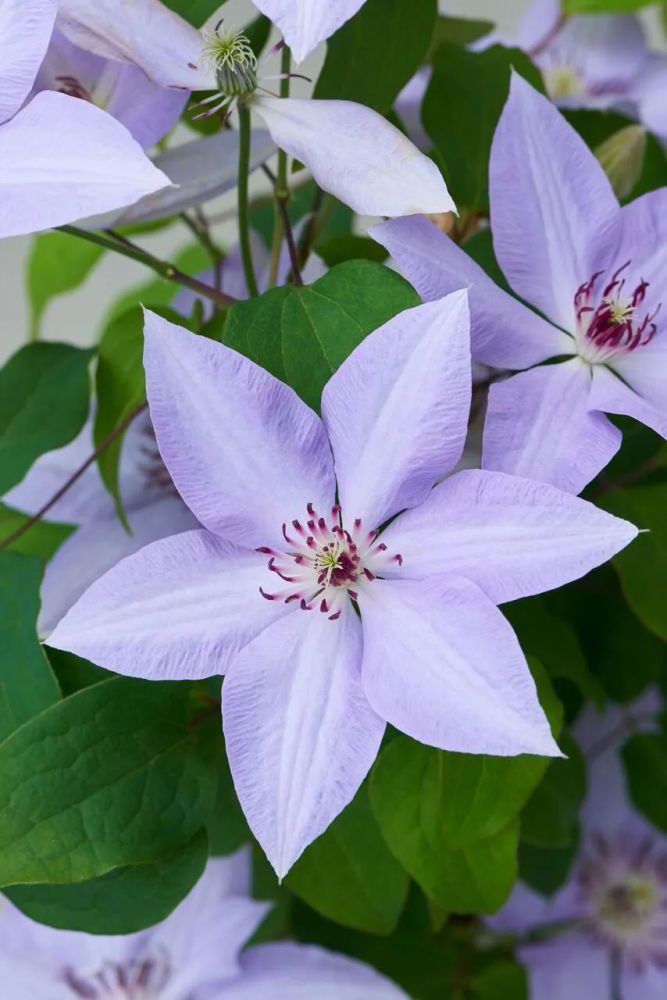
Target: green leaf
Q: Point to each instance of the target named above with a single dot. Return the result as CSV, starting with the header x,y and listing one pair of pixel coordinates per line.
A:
x,y
359,69
197,12
349,875
598,127
44,393
124,900
351,247
106,778
227,826
25,673
302,335
545,869
58,263
503,979
644,756
473,88
642,566
603,6
550,818
42,539
461,31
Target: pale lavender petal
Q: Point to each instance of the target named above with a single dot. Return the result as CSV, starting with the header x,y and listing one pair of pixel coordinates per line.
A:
x,y
408,106
197,171
649,983
442,665
300,733
539,425
553,212
306,23
301,972
407,383
644,241
179,609
568,967
527,909
25,30
610,394
61,159
510,536
650,93
609,51
245,453
537,22
147,33
357,155
504,333
97,546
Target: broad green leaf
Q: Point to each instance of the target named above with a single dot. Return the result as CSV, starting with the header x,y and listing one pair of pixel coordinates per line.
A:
x,y
603,6
350,247
460,112
42,539
197,12
503,980
58,263
545,869
349,875
550,816
644,756
73,672
44,394
642,566
302,335
458,31
25,673
227,826
124,900
359,69
108,777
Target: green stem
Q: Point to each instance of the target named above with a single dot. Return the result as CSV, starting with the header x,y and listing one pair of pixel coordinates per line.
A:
x,y
281,192
121,245
244,225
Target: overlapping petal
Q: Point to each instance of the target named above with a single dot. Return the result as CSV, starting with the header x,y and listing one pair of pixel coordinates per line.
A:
x,y
300,733
553,213
25,30
62,159
610,394
542,425
558,969
306,23
509,536
503,332
396,411
179,609
443,665
356,155
245,453
301,972
145,32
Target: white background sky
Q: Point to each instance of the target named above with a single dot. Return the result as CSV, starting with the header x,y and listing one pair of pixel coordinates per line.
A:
x,y
76,317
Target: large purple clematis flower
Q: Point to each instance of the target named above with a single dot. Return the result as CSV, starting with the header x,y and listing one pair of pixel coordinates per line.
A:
x,y
292,506
61,158
593,269
195,954
351,151
614,903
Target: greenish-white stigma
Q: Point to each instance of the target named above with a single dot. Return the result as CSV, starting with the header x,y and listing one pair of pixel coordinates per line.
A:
x,y
234,62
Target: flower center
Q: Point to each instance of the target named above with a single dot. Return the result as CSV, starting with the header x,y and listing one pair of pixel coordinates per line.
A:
x,y
234,62
324,562
611,320
623,887
139,980
563,81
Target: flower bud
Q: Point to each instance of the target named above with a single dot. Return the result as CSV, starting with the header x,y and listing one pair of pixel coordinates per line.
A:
x,y
622,157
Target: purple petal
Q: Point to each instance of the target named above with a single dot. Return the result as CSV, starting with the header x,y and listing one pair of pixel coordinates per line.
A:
x,y
25,30
526,909
510,536
408,383
300,734
301,972
245,453
568,967
62,159
179,609
442,665
97,546
649,983
539,425
306,23
607,51
504,333
650,93
408,106
356,155
537,22
610,394
552,208
148,33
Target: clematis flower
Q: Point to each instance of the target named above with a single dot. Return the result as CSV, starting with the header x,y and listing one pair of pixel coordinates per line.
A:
x,y
596,61
150,500
613,907
595,271
195,954
292,547
351,151
61,158
306,23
